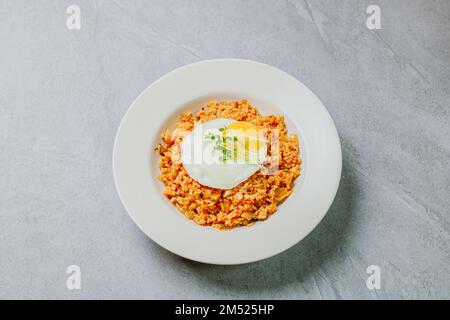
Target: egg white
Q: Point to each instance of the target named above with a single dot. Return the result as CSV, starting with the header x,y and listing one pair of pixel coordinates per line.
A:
x,y
202,161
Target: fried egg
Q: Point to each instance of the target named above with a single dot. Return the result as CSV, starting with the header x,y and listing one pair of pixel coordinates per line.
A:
x,y
222,153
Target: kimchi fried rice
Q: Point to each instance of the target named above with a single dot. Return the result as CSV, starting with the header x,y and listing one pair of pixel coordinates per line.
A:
x,y
253,199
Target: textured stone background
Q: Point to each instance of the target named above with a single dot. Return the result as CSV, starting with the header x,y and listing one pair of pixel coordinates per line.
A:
x,y
63,93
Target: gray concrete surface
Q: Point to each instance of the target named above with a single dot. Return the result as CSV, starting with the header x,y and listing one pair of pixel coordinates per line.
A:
x,y
63,93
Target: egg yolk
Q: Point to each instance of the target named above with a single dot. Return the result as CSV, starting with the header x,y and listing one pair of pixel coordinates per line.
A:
x,y
247,133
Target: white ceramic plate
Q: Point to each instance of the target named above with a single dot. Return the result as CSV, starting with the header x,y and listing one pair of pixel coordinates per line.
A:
x,y
272,91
